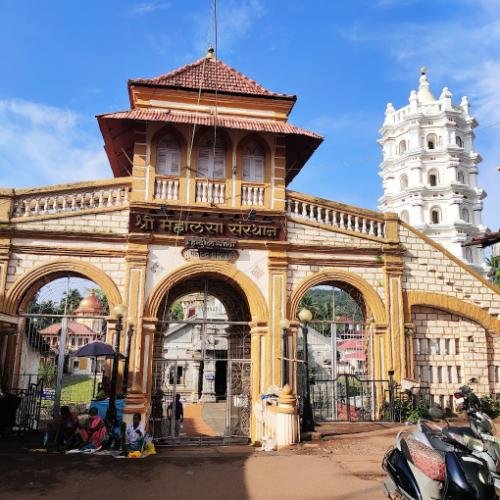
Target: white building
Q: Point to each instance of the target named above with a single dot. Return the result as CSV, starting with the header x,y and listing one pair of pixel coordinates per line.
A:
x,y
429,170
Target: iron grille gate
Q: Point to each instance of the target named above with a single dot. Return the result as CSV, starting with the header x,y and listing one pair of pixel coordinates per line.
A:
x,y
207,363
47,376
340,375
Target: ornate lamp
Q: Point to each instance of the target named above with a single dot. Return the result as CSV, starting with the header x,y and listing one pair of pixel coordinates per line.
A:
x,y
119,311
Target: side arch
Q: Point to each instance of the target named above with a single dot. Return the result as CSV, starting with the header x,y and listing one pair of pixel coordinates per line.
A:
x,y
452,305
28,280
371,297
256,301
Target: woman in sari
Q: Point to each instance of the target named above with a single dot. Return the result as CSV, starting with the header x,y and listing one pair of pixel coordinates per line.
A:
x,y
94,432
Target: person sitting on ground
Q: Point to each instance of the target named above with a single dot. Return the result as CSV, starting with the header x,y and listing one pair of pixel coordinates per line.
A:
x,y
94,432
61,431
134,435
179,413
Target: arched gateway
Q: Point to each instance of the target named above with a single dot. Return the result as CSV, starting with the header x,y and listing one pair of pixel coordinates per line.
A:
x,y
199,237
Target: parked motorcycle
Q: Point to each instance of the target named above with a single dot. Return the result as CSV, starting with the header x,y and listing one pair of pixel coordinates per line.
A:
x,y
448,471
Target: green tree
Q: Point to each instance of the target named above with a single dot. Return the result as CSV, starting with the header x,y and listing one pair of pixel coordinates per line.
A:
x,y
70,300
494,273
176,311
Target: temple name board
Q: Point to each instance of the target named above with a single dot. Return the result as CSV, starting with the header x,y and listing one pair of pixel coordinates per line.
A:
x,y
213,228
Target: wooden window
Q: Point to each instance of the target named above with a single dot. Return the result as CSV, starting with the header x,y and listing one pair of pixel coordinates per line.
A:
x,y
168,156
253,162
211,162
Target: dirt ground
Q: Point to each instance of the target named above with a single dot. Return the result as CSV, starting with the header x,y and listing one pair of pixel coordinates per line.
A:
x,y
340,466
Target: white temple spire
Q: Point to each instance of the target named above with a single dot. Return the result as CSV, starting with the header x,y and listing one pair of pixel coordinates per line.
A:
x,y
429,169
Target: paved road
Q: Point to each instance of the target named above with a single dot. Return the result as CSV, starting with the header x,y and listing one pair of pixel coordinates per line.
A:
x,y
347,467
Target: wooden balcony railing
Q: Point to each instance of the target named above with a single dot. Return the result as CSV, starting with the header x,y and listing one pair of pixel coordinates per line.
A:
x,y
335,215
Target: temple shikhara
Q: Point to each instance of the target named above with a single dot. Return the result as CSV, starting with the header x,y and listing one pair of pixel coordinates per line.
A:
x,y
214,258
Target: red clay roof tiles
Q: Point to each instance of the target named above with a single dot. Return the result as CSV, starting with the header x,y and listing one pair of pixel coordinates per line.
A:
x,y
255,124
212,75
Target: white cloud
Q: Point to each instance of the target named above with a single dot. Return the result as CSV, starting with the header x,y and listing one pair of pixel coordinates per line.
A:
x,y
147,7
463,54
42,144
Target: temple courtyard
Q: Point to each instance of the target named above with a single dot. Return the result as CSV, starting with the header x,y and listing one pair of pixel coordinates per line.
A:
x,y
340,466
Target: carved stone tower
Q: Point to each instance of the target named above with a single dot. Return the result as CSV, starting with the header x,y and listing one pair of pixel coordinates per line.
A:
x,y
429,170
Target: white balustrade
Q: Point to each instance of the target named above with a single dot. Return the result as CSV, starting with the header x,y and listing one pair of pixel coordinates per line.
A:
x,y
32,206
166,189
252,195
334,217
210,192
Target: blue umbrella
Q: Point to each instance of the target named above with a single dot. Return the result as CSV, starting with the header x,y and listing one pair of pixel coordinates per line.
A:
x,y
95,350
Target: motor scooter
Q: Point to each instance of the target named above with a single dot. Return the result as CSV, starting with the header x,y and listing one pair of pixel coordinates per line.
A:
x,y
418,471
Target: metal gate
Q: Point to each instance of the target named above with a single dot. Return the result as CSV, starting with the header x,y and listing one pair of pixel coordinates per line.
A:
x,y
46,375
218,419
349,398
340,372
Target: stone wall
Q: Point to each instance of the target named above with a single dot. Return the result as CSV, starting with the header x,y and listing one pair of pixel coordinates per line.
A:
x,y
309,234
428,269
109,222
450,350
21,263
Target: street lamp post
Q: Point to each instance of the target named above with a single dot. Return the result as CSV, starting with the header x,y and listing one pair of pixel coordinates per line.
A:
x,y
285,325
119,311
305,317
130,333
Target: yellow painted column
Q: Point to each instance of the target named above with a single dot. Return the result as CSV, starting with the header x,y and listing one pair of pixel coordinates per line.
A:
x,y
277,266
4,265
258,332
135,282
142,173
395,346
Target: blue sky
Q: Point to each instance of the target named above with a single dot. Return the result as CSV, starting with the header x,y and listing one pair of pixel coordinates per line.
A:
x,y
64,62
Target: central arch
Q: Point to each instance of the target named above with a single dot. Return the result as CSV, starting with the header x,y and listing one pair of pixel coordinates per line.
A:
x,y
226,272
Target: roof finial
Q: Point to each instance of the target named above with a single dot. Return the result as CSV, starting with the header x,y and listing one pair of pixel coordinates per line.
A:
x,y
424,93
211,53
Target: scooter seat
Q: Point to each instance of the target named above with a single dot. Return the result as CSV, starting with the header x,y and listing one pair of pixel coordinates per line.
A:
x,y
431,426
429,461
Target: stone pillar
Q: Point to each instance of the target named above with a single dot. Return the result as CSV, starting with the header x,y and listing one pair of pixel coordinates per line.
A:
x,y
141,350
4,266
142,173
258,333
287,418
393,266
208,392
278,266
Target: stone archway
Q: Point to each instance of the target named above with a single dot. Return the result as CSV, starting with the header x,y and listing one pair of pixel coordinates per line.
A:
x,y
19,293
371,297
238,282
256,302
452,305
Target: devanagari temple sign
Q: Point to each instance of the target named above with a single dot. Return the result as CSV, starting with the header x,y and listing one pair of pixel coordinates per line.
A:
x,y
184,225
